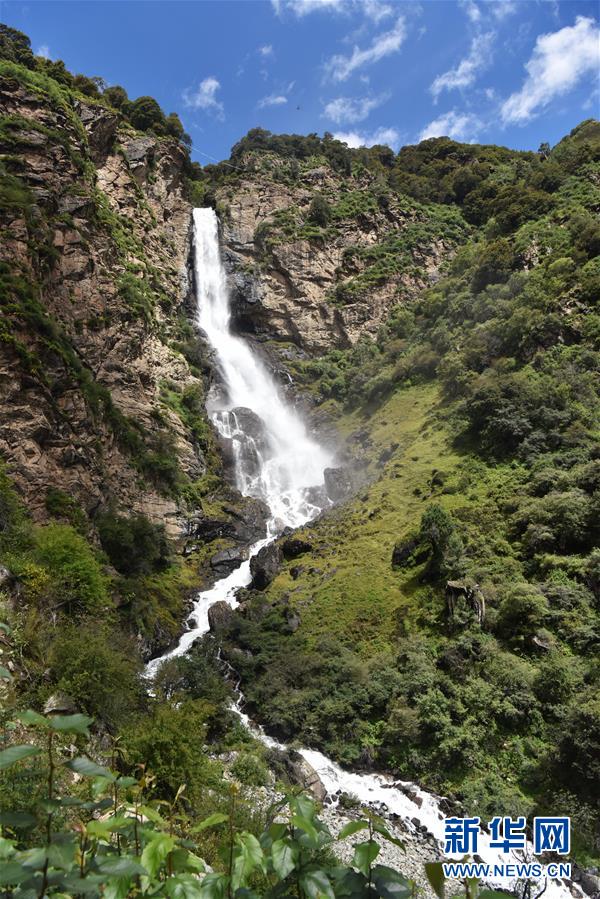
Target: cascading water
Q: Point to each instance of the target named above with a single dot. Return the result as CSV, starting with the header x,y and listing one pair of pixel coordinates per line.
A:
x,y
281,465
289,462
274,457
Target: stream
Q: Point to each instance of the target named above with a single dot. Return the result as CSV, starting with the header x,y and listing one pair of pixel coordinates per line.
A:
x,y
277,461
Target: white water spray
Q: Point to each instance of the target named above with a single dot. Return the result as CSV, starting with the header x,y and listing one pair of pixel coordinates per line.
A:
x,y
281,465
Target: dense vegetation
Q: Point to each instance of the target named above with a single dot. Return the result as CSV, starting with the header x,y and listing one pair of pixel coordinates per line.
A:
x,y
491,480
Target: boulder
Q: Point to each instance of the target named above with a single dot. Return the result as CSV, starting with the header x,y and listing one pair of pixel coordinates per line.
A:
x,y
290,766
265,565
60,704
249,519
294,547
338,484
227,560
220,615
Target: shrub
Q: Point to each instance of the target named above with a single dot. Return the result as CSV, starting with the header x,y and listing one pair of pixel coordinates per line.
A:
x,y
133,544
99,669
77,583
319,212
250,769
169,742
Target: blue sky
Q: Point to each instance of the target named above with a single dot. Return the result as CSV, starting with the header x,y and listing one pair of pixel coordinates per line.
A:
x,y
513,72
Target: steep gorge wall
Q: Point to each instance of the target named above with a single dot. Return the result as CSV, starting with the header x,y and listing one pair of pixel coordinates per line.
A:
x,y
94,253
322,287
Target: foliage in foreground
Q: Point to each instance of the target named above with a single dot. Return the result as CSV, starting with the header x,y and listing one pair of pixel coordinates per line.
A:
x,y
105,837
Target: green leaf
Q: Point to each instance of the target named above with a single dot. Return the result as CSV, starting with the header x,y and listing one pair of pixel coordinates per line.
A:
x,y
5,674
303,806
4,627
14,754
71,724
87,768
389,884
98,828
248,856
307,827
351,828
184,886
17,819
364,855
126,781
13,873
435,876
75,885
33,719
120,866
284,855
152,815
211,821
316,884
155,852
214,886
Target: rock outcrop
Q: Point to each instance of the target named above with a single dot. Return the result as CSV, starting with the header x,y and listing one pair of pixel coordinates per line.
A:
x,y
288,284
94,253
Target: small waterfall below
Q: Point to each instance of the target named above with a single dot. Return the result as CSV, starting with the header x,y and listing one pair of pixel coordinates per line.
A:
x,y
276,461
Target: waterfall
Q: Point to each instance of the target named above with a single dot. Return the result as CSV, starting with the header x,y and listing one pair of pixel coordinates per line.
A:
x,y
276,460
280,463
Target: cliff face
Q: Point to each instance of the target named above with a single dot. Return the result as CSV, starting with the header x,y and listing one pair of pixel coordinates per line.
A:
x,y
320,279
94,251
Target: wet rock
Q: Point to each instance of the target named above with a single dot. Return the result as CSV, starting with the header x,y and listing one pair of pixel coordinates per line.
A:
x,y
220,616
338,484
386,454
249,519
265,565
294,547
227,560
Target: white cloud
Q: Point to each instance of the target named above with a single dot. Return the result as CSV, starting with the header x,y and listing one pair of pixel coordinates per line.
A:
x,y
304,7
341,67
389,136
272,100
205,97
558,62
376,10
43,50
348,110
461,126
503,8
266,51
472,11
466,71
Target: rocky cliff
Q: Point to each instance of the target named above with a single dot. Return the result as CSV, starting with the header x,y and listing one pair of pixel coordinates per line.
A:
x,y
95,241
320,276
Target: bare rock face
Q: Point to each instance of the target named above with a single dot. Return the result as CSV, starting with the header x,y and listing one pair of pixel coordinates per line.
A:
x,y
99,260
284,289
